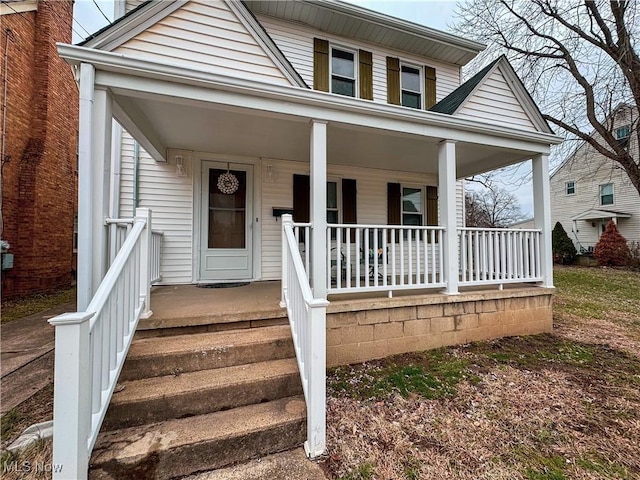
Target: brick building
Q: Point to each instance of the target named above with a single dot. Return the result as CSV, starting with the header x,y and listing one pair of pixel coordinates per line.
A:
x,y
39,145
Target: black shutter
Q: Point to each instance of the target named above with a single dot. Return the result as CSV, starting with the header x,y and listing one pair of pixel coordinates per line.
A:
x,y
432,208
301,191
394,210
349,205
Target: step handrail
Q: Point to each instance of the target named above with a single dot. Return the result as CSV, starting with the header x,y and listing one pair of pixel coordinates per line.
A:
x,y
90,349
307,318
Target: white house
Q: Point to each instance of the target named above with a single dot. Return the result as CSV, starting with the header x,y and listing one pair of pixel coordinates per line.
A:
x,y
588,190
230,117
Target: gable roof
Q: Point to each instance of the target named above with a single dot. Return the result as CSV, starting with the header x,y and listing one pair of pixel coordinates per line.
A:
x,y
456,100
151,12
452,102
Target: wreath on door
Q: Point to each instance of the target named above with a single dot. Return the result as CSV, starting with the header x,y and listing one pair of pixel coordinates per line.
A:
x,y
228,183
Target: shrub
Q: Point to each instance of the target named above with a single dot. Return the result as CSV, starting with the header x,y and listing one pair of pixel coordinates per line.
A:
x,y
612,249
564,251
634,254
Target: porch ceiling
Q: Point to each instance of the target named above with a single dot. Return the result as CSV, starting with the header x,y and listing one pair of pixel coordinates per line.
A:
x,y
205,127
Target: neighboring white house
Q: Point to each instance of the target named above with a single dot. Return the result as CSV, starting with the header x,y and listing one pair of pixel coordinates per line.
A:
x,y
231,115
588,190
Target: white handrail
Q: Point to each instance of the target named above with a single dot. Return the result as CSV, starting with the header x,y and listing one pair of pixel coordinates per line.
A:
x,y
307,318
499,255
91,347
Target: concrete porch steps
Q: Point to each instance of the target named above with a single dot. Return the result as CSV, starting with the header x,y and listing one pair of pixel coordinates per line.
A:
x,y
194,403
177,448
176,396
158,356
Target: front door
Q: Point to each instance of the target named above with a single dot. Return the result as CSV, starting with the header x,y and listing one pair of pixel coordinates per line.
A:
x,y
225,241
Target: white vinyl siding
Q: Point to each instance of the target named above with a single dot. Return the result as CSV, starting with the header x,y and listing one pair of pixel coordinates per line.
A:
x,y
170,199
495,102
131,4
371,185
205,36
296,43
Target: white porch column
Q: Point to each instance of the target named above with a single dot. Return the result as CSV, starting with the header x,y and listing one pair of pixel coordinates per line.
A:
x,y
447,205
542,214
85,175
94,165
102,120
318,213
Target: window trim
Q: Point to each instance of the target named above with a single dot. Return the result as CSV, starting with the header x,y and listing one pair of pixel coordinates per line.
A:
x,y
421,83
613,191
566,187
356,63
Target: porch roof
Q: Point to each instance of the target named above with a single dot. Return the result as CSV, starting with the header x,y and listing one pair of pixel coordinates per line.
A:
x,y
165,107
597,214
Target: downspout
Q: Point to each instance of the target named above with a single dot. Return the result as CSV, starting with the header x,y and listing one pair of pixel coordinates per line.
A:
x,y
136,163
8,36
116,149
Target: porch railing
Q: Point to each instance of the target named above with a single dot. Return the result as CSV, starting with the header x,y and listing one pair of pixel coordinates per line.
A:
x,y
499,255
307,318
155,255
383,257
90,349
119,229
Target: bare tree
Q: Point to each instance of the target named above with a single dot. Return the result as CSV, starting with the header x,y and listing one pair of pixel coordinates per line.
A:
x,y
494,207
579,59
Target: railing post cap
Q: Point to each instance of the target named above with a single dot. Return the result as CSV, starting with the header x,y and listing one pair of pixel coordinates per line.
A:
x,y
73,318
287,218
318,302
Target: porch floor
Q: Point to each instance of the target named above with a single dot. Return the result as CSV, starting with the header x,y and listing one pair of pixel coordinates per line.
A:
x,y
189,305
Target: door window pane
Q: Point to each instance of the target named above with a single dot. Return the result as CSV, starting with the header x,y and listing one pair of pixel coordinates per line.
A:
x,y
227,213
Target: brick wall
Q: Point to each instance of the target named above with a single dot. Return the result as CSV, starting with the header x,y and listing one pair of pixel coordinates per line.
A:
x,y
39,174
358,331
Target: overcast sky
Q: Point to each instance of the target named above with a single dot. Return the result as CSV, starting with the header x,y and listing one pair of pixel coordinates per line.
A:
x,y
433,13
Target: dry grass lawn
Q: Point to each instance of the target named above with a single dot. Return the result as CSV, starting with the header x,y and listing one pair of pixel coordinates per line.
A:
x,y
560,406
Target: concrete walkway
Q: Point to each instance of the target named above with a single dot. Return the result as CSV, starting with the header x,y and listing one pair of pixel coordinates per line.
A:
x,y
26,350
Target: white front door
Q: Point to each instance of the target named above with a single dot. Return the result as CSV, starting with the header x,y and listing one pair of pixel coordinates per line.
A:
x,y
226,223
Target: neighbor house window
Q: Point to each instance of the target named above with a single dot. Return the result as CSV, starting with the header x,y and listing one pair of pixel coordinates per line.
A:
x,y
411,86
606,194
622,135
623,132
570,188
343,72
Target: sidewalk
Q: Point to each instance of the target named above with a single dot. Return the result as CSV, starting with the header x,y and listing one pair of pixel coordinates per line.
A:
x,y
26,351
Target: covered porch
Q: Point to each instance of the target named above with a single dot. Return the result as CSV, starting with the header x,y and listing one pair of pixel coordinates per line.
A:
x,y
197,123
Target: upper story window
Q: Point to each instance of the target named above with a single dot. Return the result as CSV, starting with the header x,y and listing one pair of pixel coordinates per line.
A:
x,y
343,72
623,132
411,86
570,188
622,135
606,194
